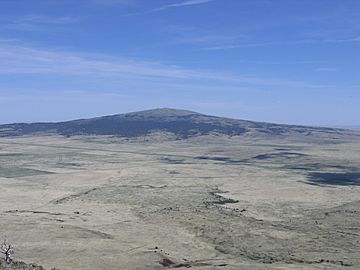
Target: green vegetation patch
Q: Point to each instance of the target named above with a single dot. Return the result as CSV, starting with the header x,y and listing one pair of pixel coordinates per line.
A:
x,y
13,172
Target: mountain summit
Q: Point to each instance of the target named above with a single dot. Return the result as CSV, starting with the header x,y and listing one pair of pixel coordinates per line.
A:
x,y
181,123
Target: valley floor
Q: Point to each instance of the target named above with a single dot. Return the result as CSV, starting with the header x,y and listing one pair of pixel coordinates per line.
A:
x,y
206,203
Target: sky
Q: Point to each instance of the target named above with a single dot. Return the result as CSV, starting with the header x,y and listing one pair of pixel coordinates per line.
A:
x,y
282,61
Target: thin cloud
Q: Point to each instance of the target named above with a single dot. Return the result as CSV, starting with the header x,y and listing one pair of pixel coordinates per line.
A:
x,y
182,4
190,35
36,22
40,19
185,3
275,43
18,59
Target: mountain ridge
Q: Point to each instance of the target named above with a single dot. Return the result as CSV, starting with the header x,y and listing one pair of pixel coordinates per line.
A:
x,y
182,123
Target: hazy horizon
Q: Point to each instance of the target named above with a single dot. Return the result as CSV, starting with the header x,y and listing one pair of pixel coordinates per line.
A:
x,y
63,60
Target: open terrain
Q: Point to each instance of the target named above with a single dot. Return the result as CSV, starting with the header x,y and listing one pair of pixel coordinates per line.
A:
x,y
252,200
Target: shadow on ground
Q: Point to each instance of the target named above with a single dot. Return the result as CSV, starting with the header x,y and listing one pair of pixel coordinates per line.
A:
x,y
339,179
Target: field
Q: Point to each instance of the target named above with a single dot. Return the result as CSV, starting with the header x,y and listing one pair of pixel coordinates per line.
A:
x,y
208,202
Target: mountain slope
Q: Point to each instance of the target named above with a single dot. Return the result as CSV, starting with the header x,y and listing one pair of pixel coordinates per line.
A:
x,y
181,123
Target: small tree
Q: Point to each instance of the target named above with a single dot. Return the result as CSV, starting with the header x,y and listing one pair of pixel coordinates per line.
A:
x,y
8,251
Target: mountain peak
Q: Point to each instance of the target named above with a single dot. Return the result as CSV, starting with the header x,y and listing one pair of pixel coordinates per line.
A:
x,y
163,112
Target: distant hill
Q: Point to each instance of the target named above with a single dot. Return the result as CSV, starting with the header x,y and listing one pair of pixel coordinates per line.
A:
x,y
355,127
180,123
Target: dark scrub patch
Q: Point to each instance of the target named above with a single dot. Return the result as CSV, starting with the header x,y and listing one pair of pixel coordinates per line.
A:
x,y
279,155
337,179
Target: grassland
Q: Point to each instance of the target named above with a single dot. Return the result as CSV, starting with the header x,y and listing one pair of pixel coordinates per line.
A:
x,y
208,202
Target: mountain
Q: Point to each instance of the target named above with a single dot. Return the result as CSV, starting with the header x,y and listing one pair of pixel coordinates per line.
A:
x,y
181,123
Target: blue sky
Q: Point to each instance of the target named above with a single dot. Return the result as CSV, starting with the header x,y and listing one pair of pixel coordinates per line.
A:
x,y
284,61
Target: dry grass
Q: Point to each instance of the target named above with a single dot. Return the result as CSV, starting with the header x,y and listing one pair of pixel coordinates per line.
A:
x,y
207,202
